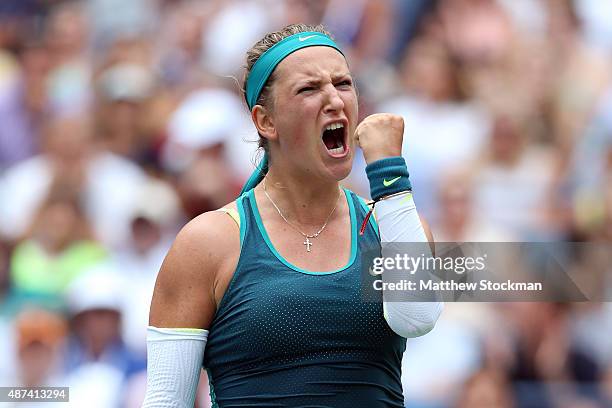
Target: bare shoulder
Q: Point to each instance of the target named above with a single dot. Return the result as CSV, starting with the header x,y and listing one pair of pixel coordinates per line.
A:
x,y
205,238
184,293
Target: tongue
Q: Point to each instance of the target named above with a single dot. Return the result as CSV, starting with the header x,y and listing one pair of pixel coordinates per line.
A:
x,y
330,139
330,143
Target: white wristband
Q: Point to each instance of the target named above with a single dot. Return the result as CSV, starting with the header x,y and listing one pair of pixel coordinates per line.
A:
x,y
174,362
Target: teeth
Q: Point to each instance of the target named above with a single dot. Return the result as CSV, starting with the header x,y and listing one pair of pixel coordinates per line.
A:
x,y
337,150
334,126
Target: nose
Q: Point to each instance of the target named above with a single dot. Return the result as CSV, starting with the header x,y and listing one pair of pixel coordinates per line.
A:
x,y
334,102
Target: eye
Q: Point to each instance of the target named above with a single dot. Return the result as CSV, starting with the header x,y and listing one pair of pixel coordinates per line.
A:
x,y
346,82
305,89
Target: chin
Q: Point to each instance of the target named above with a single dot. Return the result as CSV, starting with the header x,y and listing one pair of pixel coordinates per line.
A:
x,y
340,171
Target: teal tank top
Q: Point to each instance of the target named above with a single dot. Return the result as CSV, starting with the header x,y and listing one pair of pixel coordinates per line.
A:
x,y
286,337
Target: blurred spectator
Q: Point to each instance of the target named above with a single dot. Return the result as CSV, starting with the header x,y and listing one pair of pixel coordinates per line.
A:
x,y
458,221
99,362
179,54
30,181
126,50
514,183
124,90
95,385
154,220
572,104
210,119
442,129
67,84
453,348
22,101
365,25
16,142
475,30
56,249
503,68
207,184
236,26
154,225
408,17
206,149
589,173
95,301
40,336
106,182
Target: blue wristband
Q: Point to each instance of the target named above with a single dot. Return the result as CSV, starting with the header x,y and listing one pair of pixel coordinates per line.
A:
x,y
388,176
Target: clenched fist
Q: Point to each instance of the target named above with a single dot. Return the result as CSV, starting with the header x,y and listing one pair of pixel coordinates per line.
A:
x,y
380,136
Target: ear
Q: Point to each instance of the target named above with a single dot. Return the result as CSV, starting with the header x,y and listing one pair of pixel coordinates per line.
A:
x,y
264,122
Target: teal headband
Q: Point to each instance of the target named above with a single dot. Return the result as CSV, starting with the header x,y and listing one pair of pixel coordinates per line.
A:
x,y
263,68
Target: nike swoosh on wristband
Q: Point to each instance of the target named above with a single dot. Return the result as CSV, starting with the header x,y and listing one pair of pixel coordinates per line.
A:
x,y
388,183
305,38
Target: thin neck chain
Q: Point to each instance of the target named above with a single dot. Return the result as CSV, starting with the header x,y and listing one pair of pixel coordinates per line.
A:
x,y
316,234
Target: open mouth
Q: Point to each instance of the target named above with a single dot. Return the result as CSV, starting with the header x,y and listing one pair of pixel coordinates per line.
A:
x,y
334,138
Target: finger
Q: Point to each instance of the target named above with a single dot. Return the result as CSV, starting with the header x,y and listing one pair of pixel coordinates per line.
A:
x,y
356,138
357,133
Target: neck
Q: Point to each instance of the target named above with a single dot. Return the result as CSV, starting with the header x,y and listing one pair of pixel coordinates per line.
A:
x,y
307,201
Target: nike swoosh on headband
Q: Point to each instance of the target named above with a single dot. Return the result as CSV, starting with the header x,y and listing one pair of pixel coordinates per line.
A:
x,y
387,183
305,38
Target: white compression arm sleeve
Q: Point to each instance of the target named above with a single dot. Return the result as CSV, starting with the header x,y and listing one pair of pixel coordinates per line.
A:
x,y
398,221
174,362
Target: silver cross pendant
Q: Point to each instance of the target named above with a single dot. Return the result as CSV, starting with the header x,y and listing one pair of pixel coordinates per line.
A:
x,y
308,244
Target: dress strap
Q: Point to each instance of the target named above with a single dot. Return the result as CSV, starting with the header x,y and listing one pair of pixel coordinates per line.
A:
x,y
232,213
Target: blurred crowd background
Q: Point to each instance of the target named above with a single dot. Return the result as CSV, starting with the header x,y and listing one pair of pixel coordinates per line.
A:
x,y
122,120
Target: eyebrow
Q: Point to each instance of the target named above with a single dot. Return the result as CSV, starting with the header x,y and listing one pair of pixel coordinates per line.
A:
x,y
317,82
308,82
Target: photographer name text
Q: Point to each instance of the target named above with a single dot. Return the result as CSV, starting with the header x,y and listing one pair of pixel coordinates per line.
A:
x,y
482,285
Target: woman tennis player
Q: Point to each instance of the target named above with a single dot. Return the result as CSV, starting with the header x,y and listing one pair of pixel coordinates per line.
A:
x,y
266,293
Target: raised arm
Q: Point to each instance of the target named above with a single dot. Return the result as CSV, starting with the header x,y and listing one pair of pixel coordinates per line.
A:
x,y
380,136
